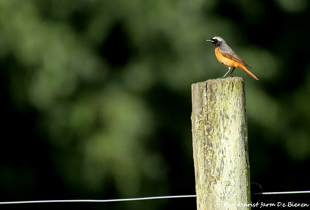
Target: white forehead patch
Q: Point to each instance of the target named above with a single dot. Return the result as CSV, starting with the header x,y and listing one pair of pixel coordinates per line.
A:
x,y
218,38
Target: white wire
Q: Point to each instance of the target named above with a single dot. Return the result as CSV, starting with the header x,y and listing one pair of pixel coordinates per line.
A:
x,y
98,201
287,192
135,199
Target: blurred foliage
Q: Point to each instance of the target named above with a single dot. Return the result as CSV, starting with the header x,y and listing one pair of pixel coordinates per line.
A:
x,y
96,94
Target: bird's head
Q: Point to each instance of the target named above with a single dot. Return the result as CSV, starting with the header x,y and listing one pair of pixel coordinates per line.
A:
x,y
216,41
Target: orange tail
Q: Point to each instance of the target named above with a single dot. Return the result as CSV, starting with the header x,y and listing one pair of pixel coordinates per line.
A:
x,y
247,71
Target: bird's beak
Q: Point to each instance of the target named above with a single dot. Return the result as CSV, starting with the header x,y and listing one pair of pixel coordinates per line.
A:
x,y
209,40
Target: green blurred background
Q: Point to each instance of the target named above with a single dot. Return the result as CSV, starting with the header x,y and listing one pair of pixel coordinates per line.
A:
x,y
96,95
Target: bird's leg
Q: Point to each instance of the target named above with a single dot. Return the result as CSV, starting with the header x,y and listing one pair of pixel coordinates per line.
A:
x,y
232,71
227,72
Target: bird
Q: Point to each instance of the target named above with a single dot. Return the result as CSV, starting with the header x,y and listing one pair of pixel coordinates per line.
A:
x,y
226,56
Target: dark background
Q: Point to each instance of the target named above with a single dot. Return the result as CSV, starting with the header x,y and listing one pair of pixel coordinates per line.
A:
x,y
96,98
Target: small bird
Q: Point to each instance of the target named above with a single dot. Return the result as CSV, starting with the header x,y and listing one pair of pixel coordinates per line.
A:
x,y
226,56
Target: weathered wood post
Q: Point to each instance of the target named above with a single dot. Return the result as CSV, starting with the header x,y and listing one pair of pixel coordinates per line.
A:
x,y
220,144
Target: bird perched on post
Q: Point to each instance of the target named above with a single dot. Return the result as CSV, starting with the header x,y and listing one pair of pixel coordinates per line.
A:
x,y
226,56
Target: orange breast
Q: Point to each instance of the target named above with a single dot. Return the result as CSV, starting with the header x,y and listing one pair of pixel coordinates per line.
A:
x,y
224,60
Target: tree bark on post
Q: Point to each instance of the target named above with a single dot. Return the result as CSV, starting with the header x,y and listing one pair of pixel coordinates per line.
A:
x,y
220,144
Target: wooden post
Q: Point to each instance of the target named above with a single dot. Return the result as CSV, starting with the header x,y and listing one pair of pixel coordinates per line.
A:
x,y
220,144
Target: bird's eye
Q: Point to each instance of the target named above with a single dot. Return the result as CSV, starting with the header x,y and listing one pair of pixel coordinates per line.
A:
x,y
214,40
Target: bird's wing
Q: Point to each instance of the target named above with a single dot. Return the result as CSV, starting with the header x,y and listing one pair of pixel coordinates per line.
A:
x,y
229,53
